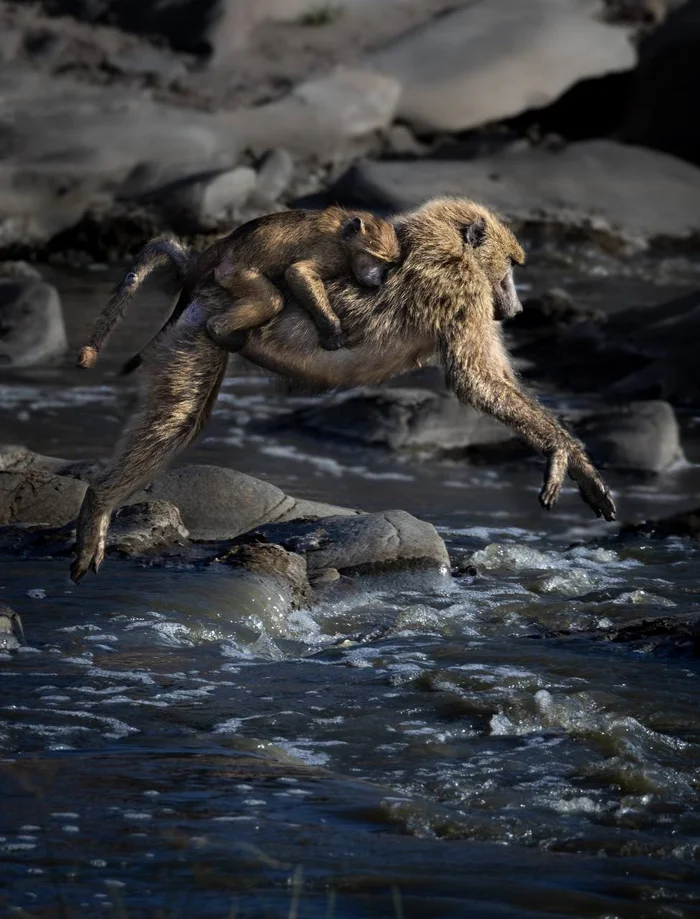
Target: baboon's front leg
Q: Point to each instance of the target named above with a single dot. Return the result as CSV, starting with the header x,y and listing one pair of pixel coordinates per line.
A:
x,y
306,285
181,379
498,394
256,300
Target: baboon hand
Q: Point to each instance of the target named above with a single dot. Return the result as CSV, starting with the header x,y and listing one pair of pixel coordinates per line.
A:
x,y
557,464
593,489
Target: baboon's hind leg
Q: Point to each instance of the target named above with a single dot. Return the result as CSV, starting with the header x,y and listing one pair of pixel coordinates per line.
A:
x,y
256,300
182,379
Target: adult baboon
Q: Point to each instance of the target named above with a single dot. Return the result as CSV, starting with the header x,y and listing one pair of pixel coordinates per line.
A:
x,y
456,268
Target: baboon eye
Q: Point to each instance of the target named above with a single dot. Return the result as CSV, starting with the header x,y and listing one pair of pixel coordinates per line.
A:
x,y
474,233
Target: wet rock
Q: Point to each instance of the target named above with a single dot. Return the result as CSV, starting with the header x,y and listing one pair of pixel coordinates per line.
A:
x,y
146,526
368,543
685,524
218,503
678,633
405,418
39,497
281,572
642,436
598,190
203,203
489,61
11,632
665,89
32,330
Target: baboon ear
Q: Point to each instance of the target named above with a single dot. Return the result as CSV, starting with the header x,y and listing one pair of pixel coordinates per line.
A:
x,y
352,227
475,233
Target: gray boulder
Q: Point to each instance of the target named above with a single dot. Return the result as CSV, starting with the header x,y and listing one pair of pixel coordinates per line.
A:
x,y
602,189
218,503
32,330
202,203
37,496
406,418
641,436
369,543
491,60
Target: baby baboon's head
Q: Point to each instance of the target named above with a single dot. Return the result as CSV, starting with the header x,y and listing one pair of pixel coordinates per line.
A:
x,y
456,233
373,247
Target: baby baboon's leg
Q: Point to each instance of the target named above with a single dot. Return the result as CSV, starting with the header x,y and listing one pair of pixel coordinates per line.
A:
x,y
308,288
256,300
182,377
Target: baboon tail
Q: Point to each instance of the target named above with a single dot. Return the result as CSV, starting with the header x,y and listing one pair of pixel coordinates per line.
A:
x,y
159,251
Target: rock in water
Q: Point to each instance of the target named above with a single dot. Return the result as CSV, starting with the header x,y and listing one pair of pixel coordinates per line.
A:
x,y
32,330
368,543
488,61
641,436
11,632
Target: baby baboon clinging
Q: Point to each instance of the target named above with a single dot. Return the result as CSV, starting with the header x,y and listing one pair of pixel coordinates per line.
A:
x,y
301,249
455,268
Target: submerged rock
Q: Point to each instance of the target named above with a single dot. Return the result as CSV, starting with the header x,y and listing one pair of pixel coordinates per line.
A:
x,y
684,524
32,330
488,61
11,632
598,189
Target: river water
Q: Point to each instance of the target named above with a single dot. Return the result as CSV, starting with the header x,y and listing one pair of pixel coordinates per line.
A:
x,y
465,748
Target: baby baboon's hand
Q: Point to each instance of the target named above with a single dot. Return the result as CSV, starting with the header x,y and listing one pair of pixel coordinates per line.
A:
x,y
593,489
333,340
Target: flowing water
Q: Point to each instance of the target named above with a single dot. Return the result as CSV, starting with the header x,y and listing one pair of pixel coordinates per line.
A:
x,y
462,748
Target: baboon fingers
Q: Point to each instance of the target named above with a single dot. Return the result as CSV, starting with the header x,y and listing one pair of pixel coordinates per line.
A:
x,y
594,491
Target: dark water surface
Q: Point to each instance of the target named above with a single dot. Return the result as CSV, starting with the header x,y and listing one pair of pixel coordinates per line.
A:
x,y
465,749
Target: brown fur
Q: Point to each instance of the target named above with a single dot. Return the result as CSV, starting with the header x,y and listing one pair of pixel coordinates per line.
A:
x,y
456,262
301,249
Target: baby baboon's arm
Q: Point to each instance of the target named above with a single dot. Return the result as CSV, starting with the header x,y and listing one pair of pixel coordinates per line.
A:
x,y
306,285
256,300
484,379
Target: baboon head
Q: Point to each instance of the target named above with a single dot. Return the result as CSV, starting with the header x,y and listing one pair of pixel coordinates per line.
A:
x,y
373,247
468,244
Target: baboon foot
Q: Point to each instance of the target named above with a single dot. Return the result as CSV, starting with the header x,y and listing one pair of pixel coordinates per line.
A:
x,y
93,523
333,341
87,559
593,490
554,476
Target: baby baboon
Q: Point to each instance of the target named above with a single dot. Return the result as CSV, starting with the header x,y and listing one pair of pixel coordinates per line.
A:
x,y
301,249
455,268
